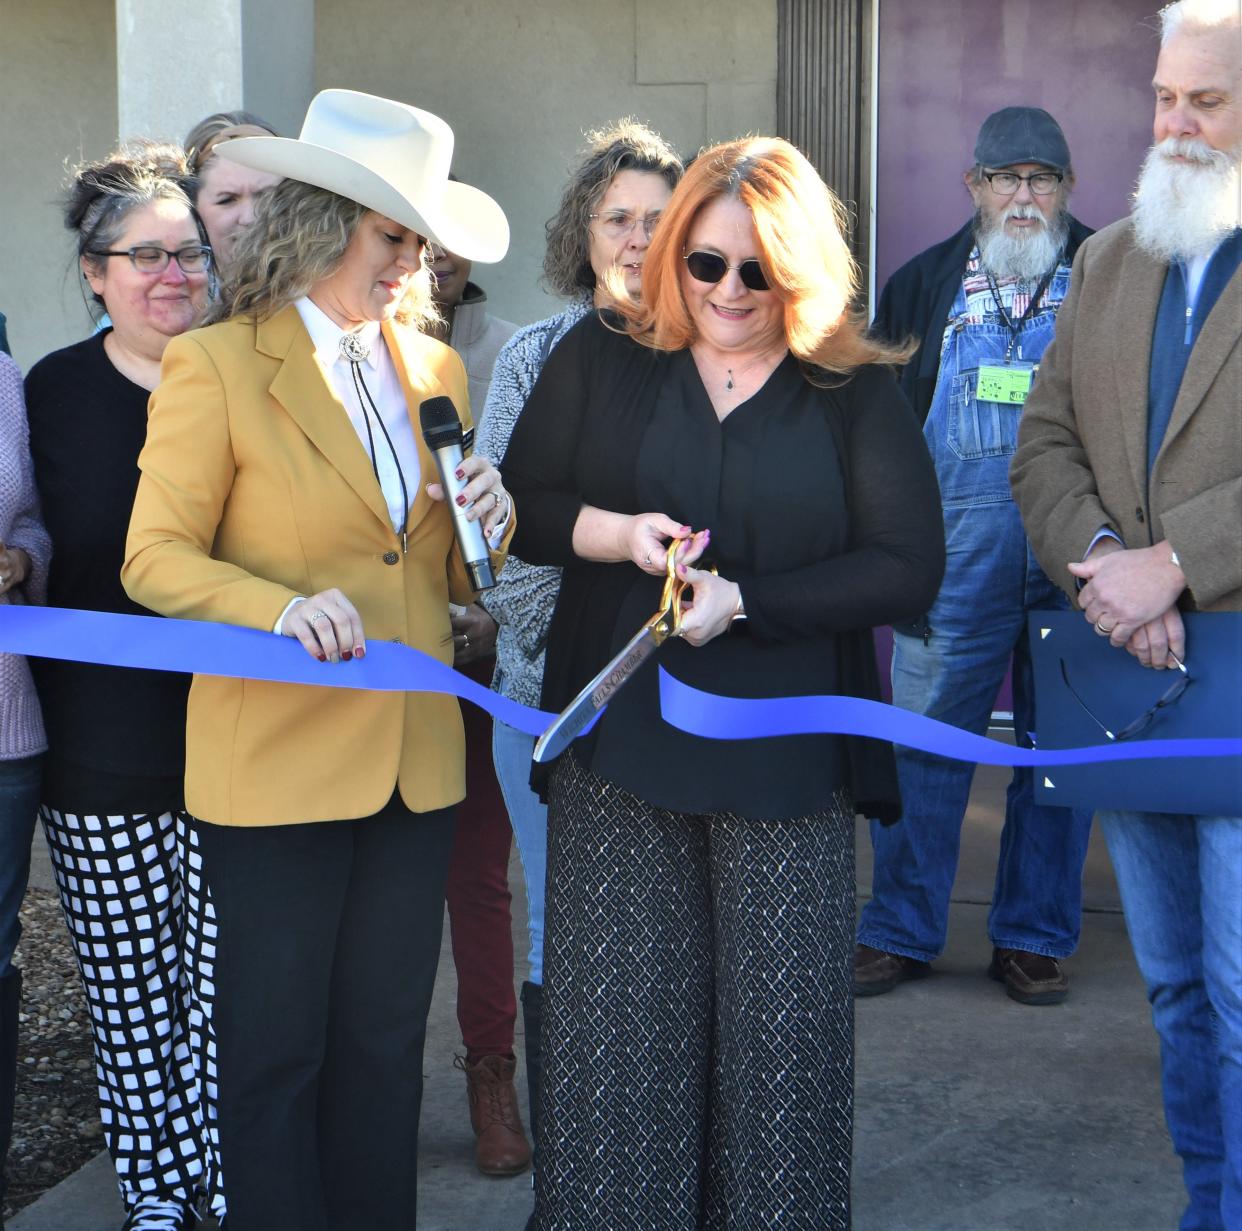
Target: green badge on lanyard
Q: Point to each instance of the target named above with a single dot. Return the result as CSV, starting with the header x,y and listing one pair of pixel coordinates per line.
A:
x,y
1008,384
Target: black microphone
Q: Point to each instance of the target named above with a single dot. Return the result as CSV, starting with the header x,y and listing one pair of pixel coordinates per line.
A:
x,y
443,434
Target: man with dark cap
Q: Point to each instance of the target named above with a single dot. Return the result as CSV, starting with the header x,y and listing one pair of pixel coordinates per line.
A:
x,y
983,305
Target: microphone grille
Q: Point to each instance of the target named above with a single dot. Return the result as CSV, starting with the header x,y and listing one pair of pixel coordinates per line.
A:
x,y
436,414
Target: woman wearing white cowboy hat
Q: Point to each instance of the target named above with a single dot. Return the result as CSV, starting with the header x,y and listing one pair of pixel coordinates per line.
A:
x,y
284,487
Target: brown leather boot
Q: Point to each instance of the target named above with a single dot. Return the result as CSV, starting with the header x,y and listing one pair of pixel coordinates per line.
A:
x,y
500,1146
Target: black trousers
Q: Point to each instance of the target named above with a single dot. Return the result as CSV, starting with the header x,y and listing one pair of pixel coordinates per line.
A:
x,y
328,940
698,1016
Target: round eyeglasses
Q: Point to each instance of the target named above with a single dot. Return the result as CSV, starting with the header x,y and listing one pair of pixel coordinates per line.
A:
x,y
1005,183
148,259
618,223
711,267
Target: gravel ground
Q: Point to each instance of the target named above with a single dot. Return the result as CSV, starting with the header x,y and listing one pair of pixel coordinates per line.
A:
x,y
56,1127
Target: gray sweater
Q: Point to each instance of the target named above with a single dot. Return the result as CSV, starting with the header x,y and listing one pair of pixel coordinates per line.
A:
x,y
21,723
522,601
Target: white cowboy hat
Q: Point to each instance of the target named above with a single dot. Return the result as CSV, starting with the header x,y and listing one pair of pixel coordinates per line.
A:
x,y
390,157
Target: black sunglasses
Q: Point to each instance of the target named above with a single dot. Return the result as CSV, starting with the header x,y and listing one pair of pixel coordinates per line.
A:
x,y
711,267
1143,721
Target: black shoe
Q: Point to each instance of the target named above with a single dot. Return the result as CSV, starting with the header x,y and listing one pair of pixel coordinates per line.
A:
x,y
1029,978
877,972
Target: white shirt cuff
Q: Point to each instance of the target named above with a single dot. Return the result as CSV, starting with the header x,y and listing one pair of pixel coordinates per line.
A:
x,y
498,534
278,627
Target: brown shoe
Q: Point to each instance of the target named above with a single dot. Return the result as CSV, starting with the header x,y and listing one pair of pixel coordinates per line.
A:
x,y
1029,978
877,972
500,1146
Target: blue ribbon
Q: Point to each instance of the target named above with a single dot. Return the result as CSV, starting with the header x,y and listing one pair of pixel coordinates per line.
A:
x,y
204,648
705,714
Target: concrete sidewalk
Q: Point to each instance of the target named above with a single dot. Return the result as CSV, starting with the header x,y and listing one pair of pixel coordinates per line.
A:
x,y
973,1113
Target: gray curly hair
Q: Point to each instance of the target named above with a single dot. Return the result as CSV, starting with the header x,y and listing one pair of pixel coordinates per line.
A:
x,y
627,145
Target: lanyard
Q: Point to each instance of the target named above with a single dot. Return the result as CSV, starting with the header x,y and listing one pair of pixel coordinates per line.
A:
x,y
1015,331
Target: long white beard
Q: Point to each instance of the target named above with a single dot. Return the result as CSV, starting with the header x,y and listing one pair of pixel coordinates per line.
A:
x,y
1183,210
1029,254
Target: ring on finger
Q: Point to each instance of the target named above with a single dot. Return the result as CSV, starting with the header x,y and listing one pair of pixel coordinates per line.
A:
x,y
1104,632
316,616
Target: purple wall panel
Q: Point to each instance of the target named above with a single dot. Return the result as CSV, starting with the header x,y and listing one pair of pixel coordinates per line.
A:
x,y
944,65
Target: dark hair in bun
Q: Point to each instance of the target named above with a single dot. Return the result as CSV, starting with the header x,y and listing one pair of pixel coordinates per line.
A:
x,y
102,194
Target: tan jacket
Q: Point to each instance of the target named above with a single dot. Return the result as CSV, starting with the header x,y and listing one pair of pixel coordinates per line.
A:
x,y
254,489
1081,461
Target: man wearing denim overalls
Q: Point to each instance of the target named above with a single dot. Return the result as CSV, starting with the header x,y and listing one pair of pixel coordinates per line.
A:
x,y
983,304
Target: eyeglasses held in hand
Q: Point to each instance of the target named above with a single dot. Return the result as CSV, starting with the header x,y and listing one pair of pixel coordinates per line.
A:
x,y
1143,721
617,224
148,259
712,267
1005,183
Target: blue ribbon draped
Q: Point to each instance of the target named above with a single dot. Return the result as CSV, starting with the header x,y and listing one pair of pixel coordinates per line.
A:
x,y
202,648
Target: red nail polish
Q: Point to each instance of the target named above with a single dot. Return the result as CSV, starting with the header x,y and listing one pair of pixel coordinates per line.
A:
x,y
461,500
346,655
461,474
323,658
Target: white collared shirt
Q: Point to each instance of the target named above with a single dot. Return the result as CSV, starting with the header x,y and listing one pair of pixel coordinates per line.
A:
x,y
380,375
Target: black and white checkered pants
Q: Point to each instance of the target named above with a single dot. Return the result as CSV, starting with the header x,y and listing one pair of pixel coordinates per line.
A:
x,y
698,1017
120,887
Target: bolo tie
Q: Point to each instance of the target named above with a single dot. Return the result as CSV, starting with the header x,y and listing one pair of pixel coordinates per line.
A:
x,y
355,352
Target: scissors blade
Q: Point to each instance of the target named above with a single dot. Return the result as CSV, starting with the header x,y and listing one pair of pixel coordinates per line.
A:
x,y
582,710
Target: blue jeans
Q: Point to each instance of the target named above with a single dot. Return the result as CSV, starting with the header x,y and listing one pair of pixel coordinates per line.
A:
x,y
1181,887
977,621
20,781
511,752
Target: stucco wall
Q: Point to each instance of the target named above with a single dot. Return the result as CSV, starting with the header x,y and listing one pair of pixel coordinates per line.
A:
x,y
520,83
57,105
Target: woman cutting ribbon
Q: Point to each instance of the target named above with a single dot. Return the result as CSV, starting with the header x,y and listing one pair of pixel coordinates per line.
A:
x,y
285,488
700,917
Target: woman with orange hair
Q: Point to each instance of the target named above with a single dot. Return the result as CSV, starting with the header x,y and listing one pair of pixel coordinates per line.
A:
x,y
700,918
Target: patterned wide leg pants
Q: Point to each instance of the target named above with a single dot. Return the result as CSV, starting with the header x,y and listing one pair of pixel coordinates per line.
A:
x,y
120,888
698,1017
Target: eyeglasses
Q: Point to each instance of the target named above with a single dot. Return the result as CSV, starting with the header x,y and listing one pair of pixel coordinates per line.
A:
x,y
711,267
1143,721
147,259
1005,183
617,223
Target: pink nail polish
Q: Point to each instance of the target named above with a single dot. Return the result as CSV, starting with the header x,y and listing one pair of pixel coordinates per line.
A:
x,y
461,474
360,651
461,500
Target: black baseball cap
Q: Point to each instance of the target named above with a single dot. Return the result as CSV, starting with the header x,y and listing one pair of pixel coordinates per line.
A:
x,y
1022,134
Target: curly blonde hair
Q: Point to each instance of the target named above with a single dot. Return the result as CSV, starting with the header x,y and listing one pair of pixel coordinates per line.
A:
x,y
298,238
800,226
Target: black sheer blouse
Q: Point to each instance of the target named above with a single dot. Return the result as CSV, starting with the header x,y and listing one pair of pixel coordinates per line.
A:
x,y
823,507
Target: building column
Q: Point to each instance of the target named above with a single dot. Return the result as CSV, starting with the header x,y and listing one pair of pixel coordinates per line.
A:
x,y
180,60
823,99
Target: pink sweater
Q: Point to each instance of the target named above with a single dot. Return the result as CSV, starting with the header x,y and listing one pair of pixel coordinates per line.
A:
x,y
21,724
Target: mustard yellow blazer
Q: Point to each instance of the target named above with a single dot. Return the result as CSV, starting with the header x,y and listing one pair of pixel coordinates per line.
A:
x,y
255,488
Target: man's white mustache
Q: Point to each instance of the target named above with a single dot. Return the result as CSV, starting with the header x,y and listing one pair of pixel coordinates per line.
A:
x,y
1193,149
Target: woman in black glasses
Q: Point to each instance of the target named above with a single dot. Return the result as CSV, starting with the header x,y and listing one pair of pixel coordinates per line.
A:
x,y
701,894
112,786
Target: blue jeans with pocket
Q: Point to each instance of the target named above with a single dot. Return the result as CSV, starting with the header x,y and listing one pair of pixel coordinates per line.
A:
x,y
1181,886
951,667
511,752
20,781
